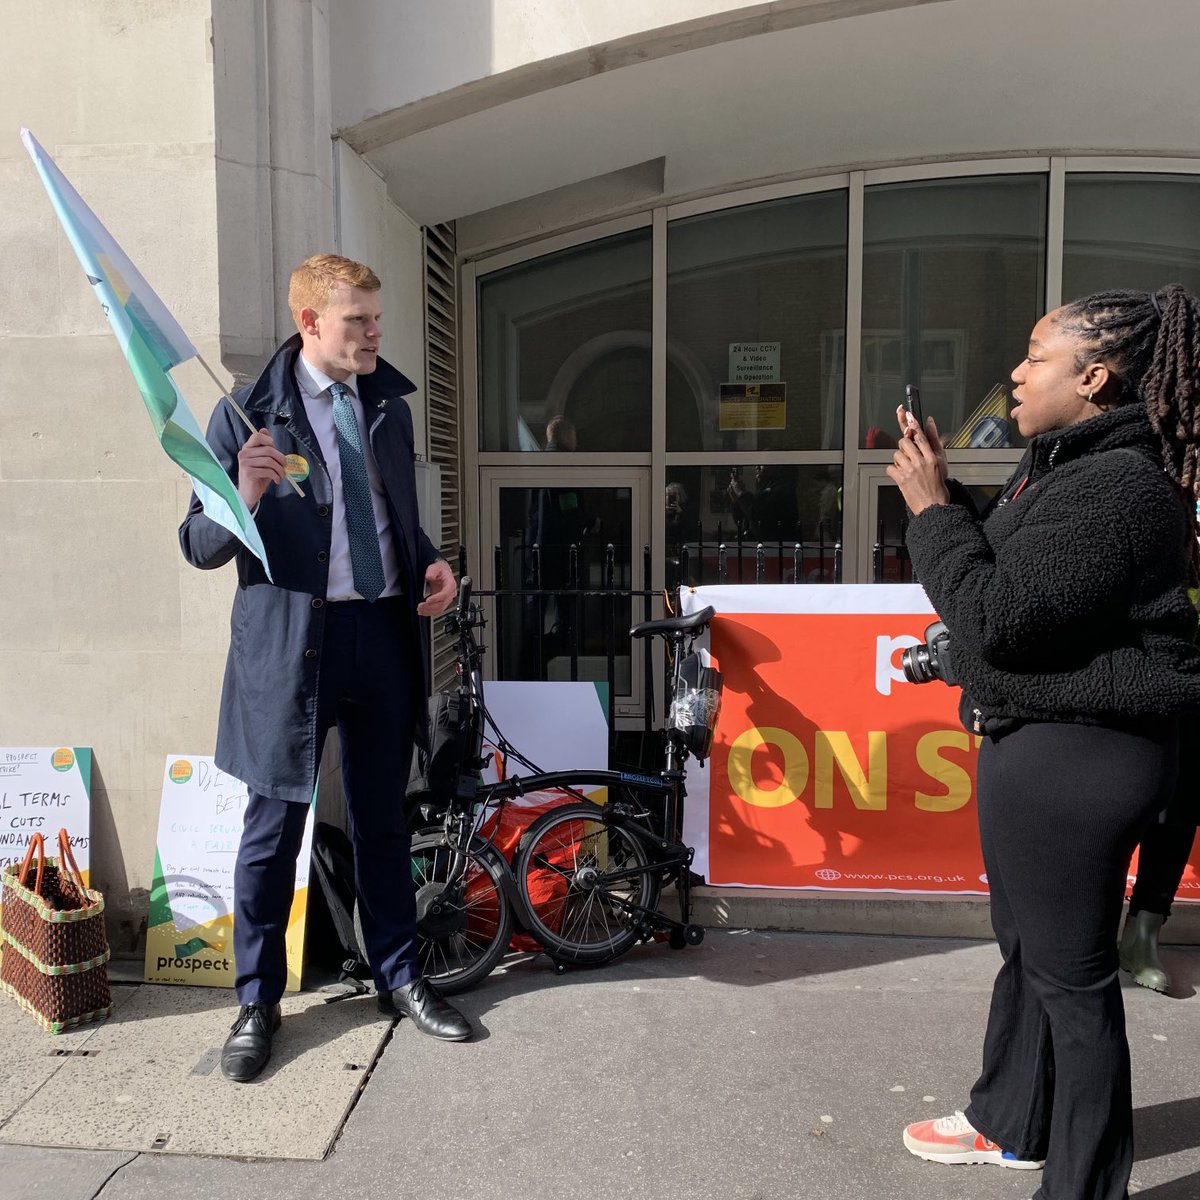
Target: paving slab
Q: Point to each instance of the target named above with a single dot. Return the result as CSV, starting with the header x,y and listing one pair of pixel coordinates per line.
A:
x,y
29,1056
33,1173
759,1066
150,1080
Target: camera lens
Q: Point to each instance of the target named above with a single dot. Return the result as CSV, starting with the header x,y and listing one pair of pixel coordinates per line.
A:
x,y
915,663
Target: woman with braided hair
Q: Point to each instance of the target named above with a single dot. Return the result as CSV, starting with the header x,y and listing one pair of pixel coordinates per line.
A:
x,y
1074,641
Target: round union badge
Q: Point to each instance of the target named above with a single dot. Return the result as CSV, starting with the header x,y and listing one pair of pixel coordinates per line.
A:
x,y
63,759
181,771
297,467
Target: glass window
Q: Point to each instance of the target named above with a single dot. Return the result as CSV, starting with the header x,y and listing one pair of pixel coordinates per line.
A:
x,y
563,547
777,505
889,553
756,319
953,281
1130,231
568,335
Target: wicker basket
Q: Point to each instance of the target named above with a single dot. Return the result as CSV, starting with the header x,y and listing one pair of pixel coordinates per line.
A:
x,y
53,942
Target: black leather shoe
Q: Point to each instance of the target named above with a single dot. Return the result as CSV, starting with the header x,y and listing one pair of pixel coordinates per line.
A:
x,y
429,1011
247,1049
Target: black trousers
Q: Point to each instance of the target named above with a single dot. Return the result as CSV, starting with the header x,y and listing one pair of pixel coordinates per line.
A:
x,y
1061,808
1164,852
366,667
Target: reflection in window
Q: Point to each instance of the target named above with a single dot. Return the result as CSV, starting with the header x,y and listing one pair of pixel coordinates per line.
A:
x,y
756,297
953,281
568,335
889,553
1130,231
718,516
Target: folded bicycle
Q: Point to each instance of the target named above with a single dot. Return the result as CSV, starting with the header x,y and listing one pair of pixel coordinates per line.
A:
x,y
587,879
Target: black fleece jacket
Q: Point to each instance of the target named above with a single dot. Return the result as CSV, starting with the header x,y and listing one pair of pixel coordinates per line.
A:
x,y
1068,601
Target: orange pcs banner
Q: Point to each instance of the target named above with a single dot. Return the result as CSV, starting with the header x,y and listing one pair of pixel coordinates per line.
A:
x,y
829,769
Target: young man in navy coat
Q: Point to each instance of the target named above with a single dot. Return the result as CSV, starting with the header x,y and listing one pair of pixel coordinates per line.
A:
x,y
335,638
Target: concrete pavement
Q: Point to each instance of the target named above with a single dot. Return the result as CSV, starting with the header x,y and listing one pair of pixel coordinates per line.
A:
x,y
759,1066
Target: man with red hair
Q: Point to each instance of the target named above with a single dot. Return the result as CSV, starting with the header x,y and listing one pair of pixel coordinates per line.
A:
x,y
334,637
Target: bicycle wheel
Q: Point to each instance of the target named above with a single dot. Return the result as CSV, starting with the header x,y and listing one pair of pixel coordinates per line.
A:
x,y
464,926
585,882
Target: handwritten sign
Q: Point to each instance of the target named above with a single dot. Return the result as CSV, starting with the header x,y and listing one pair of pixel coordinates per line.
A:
x,y
189,936
43,790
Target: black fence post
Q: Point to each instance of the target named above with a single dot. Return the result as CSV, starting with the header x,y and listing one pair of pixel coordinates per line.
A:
x,y
610,642
498,610
540,606
576,603
647,658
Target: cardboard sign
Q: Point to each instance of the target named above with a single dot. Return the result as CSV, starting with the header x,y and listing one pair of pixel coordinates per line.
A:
x,y
189,936
42,790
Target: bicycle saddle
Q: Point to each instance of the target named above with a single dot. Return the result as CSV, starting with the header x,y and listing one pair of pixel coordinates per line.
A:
x,y
675,625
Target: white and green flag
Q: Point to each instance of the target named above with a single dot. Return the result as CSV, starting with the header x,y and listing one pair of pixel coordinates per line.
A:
x,y
153,343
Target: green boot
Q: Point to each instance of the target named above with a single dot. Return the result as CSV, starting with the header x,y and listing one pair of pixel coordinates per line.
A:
x,y
1139,951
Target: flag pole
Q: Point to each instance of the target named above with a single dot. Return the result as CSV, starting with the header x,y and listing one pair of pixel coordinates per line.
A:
x,y
241,412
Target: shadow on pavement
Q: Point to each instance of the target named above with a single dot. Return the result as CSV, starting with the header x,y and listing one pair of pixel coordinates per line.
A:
x,y
1185,1188
1161,1129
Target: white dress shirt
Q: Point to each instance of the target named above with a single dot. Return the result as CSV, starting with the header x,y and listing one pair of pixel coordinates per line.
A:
x,y
318,404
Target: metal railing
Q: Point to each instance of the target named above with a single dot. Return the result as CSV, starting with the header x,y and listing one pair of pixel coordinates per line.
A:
x,y
890,562
738,559
594,592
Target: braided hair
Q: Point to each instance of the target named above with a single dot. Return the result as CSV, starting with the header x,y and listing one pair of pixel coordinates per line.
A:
x,y
1150,342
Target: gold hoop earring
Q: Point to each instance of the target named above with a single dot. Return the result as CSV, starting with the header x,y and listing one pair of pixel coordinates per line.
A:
x,y
1091,393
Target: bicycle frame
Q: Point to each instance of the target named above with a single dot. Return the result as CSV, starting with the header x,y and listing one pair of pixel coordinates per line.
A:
x,y
465,816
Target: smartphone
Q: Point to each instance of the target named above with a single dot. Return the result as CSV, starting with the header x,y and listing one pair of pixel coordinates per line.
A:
x,y
912,404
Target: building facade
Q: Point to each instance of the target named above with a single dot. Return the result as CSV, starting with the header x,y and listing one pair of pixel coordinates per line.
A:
x,y
717,238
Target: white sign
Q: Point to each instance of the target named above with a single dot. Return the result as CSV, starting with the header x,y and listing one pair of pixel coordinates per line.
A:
x,y
558,726
189,936
753,362
43,790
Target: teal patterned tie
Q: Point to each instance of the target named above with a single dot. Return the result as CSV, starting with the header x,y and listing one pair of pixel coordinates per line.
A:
x,y
356,495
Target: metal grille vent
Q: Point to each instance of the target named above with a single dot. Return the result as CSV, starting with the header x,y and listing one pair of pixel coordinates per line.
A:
x,y
441,375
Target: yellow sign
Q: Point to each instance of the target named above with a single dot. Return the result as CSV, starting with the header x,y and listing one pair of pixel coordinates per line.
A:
x,y
753,406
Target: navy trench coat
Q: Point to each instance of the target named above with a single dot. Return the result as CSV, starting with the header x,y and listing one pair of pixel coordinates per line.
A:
x,y
267,734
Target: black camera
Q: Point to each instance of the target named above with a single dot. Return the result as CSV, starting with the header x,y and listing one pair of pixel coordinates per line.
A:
x,y
923,664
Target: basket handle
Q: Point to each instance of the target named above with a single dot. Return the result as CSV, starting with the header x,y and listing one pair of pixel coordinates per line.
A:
x,y
36,843
67,859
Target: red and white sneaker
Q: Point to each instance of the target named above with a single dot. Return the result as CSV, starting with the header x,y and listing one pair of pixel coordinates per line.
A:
x,y
955,1140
